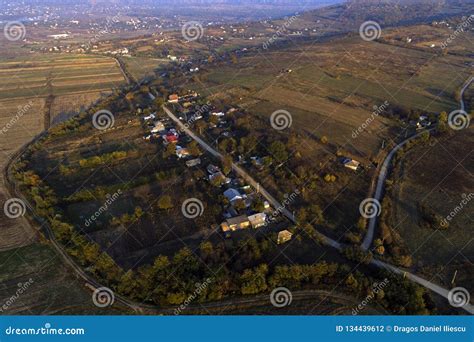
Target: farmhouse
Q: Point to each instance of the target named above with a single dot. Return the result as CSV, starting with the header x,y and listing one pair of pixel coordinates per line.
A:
x,y
193,162
423,122
257,220
218,176
158,127
235,223
212,169
351,164
171,138
174,98
182,152
284,236
233,195
58,36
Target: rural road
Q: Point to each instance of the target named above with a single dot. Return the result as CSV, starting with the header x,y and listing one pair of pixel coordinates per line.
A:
x,y
327,240
242,173
139,307
383,173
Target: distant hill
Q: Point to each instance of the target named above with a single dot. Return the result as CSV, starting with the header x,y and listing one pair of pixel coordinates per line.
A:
x,y
391,12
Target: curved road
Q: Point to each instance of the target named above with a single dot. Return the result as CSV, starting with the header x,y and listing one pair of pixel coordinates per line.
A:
x,y
384,172
327,240
139,307
380,186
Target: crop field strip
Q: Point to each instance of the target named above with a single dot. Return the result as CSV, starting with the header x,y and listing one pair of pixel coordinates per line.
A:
x,y
24,85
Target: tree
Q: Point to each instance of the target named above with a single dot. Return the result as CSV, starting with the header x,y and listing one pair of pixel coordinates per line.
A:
x,y
170,151
200,126
442,122
193,148
316,214
278,151
159,102
254,281
227,164
165,202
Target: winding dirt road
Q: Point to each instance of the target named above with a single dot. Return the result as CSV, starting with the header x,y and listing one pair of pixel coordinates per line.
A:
x,y
327,240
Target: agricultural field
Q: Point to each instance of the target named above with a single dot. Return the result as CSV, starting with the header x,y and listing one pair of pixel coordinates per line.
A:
x,y
83,78
36,92
331,90
38,89
438,177
141,67
48,286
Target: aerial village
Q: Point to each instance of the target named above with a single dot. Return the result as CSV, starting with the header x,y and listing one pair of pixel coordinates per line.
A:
x,y
245,208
